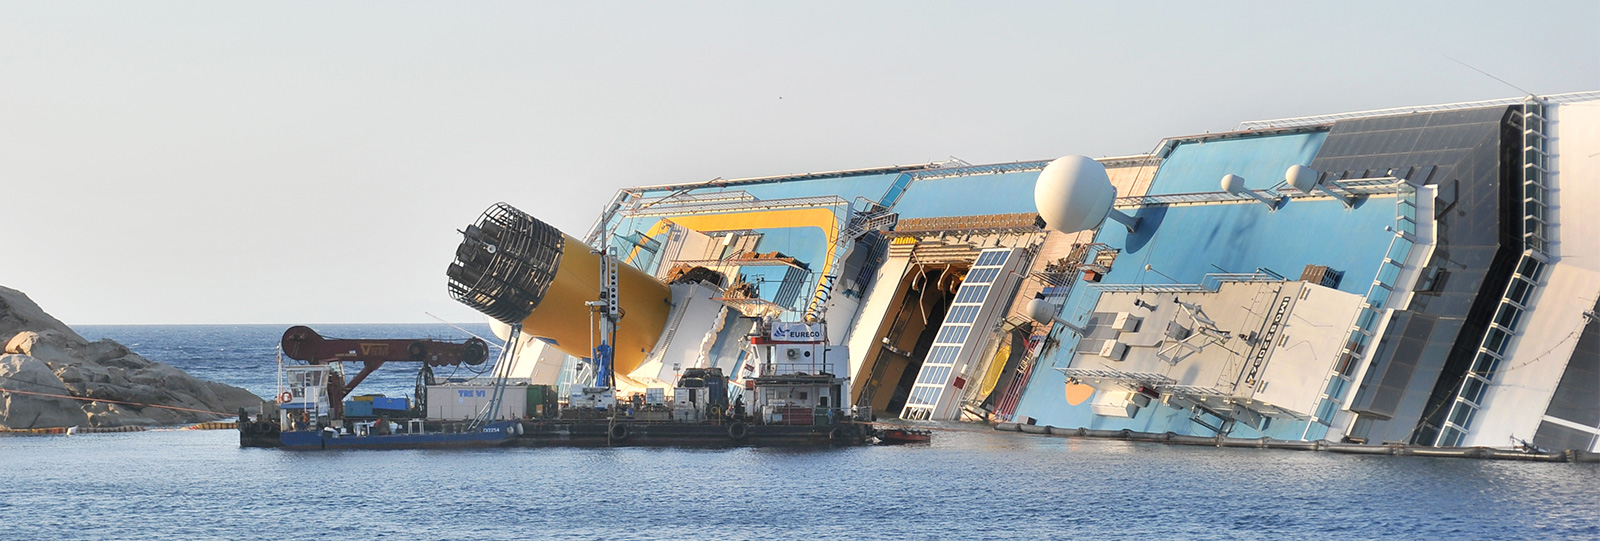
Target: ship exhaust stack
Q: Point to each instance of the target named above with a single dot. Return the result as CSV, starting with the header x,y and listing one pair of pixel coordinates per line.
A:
x,y
505,264
520,270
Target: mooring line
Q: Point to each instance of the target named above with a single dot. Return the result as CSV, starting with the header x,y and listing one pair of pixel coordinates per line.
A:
x,y
124,402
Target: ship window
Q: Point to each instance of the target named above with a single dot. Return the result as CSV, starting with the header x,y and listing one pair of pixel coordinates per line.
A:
x,y
1358,341
1473,390
1463,415
1336,387
1531,268
1486,363
1496,341
1378,297
1347,363
1325,409
1400,249
1368,319
1450,437
1388,273
1518,292
1508,317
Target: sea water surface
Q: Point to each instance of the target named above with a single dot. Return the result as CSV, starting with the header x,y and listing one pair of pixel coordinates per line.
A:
x,y
969,483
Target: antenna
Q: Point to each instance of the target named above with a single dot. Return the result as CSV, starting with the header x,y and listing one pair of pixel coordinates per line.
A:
x,y
1489,75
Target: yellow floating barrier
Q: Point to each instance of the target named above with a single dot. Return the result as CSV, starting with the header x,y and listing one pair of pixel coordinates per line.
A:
x,y
214,425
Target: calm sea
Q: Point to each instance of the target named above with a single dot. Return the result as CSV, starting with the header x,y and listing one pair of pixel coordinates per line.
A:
x,y
966,484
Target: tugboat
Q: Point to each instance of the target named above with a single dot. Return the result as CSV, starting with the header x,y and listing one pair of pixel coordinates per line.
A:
x,y
903,435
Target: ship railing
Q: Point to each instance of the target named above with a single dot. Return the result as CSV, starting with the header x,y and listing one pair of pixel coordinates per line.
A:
x,y
721,206
813,368
1353,187
1331,118
1209,284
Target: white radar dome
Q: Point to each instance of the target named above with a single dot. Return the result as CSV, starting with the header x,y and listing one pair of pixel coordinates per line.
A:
x,y
1041,310
1301,177
1233,183
1073,194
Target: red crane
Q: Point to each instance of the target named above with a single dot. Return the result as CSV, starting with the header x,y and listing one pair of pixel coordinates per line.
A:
x,y
303,344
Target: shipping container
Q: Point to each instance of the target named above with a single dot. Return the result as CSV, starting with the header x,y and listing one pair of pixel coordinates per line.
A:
x,y
393,404
357,408
457,402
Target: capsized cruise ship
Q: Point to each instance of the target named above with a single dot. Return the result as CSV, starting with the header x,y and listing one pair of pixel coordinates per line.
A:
x,y
1425,275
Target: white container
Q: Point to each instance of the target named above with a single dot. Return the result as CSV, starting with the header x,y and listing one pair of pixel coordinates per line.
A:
x,y
1126,322
460,402
1113,350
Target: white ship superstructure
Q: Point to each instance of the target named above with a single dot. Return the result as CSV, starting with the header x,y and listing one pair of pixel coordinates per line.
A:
x,y
1425,275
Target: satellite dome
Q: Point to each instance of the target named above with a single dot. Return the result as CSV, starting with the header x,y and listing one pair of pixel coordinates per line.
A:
x,y
1073,194
1233,184
1041,310
1301,178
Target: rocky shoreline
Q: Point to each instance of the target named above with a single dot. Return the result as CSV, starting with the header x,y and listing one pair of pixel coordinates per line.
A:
x,y
51,377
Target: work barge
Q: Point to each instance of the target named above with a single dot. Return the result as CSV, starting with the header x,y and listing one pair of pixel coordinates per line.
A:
x,y
790,404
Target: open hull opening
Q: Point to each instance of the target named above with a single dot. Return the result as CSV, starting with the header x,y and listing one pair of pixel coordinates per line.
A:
x,y
906,334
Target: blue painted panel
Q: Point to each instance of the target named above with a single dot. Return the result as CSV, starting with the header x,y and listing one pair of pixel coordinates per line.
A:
x,y
871,187
353,408
968,196
1199,167
807,244
1185,242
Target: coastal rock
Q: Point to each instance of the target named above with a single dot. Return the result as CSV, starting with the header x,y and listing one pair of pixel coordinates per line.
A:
x,y
52,377
28,403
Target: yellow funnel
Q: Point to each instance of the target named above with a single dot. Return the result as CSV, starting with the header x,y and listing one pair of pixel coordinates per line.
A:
x,y
518,269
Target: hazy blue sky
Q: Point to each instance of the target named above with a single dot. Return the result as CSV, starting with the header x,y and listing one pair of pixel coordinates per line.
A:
x,y
216,162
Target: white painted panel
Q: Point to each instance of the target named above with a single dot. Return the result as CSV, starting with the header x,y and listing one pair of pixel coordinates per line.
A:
x,y
1516,402
876,303
1312,339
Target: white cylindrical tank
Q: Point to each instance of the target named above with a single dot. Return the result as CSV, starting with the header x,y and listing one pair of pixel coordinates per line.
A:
x,y
1073,194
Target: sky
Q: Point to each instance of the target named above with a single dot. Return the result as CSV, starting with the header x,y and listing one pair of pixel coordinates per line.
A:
x,y
310,162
